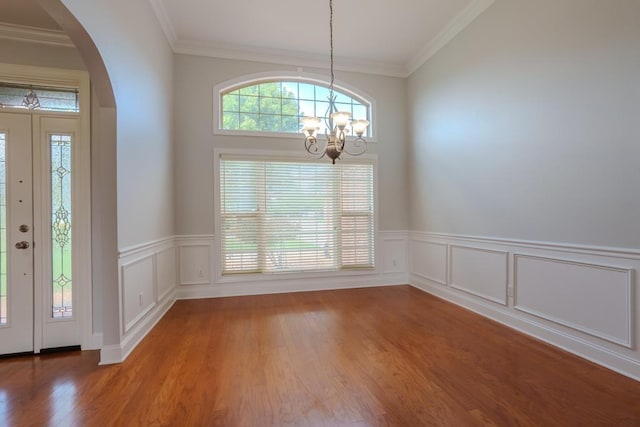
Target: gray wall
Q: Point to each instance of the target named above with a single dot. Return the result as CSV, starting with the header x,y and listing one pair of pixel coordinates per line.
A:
x,y
140,64
16,52
195,78
526,125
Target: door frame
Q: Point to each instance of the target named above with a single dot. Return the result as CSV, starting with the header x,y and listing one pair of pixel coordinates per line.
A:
x,y
82,260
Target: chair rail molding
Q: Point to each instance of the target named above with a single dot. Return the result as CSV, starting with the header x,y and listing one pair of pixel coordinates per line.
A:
x,y
580,298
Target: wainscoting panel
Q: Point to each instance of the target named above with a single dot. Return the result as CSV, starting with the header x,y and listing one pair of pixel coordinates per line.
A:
x,y
195,260
147,280
481,272
394,254
591,298
166,271
137,290
200,277
579,298
429,260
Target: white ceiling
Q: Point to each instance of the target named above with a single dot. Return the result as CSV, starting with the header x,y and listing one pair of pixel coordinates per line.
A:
x,y
390,37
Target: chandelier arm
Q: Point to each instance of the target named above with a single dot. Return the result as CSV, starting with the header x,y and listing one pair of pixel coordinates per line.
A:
x,y
360,145
314,148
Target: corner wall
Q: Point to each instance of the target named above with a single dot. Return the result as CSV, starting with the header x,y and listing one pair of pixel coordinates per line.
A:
x,y
139,62
524,173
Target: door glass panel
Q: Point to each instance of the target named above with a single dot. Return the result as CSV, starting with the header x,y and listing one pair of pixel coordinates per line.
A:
x,y
62,286
3,231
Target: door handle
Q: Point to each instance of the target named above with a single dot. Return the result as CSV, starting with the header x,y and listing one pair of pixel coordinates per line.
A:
x,y
22,245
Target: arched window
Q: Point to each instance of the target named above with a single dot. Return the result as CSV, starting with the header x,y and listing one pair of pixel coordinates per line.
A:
x,y
272,105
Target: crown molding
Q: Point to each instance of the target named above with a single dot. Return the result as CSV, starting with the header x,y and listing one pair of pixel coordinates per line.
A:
x,y
459,23
282,57
34,35
274,56
165,22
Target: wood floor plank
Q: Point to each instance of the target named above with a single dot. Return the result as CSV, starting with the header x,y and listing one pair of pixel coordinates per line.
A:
x,y
388,356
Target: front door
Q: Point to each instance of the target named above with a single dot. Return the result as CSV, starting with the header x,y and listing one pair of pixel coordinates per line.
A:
x,y
16,234
38,302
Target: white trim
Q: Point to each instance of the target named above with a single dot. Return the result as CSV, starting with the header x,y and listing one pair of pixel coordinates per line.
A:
x,y
142,247
82,270
165,22
617,353
299,76
627,342
123,268
27,34
534,244
118,353
143,322
206,279
424,276
283,57
580,347
503,301
299,59
459,23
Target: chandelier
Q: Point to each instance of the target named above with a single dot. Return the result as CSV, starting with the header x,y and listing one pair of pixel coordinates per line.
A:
x,y
338,122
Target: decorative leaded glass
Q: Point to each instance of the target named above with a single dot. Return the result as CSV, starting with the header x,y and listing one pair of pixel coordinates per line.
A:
x,y
38,98
62,284
279,106
3,232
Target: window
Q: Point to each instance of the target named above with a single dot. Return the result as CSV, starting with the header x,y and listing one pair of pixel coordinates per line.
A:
x,y
38,98
278,106
280,215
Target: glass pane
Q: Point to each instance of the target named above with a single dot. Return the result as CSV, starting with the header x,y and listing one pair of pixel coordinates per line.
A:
x,y
271,89
249,122
61,224
270,106
307,92
231,102
230,120
3,233
270,123
307,108
290,124
249,90
14,96
290,90
249,104
360,112
322,93
341,97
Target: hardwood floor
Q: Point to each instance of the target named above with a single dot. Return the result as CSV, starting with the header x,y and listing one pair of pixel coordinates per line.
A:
x,y
364,357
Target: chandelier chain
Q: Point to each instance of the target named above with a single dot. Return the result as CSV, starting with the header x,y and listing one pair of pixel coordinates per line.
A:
x,y
331,46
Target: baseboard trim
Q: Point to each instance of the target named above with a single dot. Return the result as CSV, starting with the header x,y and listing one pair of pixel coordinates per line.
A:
x,y
112,354
589,351
221,290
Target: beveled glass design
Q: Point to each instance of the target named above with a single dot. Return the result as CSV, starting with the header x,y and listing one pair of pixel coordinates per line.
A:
x,y
3,232
281,106
61,224
38,98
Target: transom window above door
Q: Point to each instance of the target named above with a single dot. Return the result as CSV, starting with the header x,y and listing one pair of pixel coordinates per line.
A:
x,y
278,106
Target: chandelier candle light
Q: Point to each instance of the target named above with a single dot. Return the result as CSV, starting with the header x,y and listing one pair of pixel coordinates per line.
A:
x,y
338,122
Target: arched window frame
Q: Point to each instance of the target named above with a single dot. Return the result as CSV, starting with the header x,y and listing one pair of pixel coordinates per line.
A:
x,y
254,79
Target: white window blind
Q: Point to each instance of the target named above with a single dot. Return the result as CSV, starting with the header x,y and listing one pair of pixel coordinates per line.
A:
x,y
279,215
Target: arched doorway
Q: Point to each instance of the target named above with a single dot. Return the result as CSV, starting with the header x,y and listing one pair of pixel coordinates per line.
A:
x,y
103,177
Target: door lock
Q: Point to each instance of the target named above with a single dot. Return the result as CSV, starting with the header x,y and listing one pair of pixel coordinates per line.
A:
x,y
22,245
23,228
